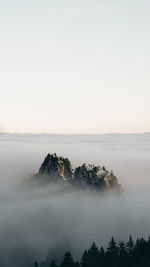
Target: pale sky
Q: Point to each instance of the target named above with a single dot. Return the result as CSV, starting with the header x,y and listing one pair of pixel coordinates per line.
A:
x,y
78,66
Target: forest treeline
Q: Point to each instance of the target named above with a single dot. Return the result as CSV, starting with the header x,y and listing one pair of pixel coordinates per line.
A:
x,y
121,254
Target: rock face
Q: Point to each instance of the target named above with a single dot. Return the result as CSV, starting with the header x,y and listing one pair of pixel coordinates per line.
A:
x,y
57,167
60,169
95,176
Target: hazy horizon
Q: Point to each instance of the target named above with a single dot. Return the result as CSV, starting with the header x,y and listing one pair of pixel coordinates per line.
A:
x,y
78,133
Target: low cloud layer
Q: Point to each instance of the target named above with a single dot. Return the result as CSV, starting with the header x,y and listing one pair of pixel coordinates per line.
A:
x,y
36,222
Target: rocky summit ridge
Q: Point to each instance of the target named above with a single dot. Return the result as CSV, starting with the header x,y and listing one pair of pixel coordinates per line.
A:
x,y
56,168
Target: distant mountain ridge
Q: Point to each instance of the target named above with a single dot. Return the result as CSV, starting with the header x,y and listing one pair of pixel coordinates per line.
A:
x,y
56,168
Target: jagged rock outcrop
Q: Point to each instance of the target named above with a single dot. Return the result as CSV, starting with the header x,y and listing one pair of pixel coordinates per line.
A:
x,y
59,168
95,176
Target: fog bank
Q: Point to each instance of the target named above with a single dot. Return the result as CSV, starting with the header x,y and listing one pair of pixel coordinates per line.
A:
x,y
35,220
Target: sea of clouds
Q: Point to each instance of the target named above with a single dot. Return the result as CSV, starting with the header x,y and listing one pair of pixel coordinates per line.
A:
x,y
43,221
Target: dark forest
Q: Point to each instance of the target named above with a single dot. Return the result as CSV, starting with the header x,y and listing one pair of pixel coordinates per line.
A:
x,y
117,254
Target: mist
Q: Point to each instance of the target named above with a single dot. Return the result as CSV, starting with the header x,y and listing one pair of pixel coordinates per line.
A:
x,y
43,221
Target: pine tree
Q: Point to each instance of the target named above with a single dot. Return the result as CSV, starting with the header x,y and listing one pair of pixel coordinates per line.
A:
x,y
93,256
84,259
101,257
112,252
112,248
121,248
130,251
122,254
130,246
67,260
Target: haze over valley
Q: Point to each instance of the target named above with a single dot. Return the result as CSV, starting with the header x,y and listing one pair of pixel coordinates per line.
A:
x,y
39,221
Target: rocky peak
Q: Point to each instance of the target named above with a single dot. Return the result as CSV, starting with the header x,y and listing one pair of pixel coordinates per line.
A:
x,y
95,176
60,168
55,166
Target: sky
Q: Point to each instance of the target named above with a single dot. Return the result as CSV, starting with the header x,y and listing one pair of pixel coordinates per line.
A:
x,y
74,66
